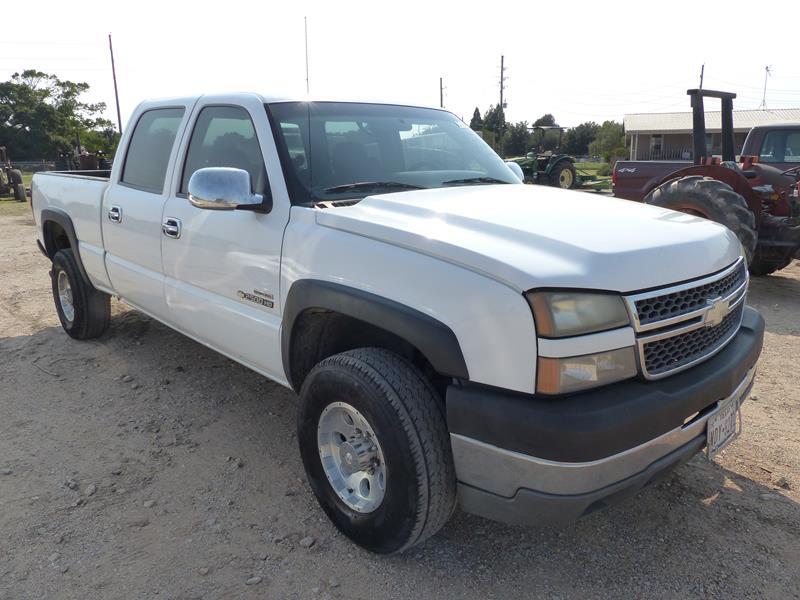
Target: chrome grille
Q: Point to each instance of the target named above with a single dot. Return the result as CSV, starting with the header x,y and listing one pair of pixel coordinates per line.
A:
x,y
651,310
671,353
679,326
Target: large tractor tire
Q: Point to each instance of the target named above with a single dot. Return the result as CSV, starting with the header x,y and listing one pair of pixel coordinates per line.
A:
x,y
20,195
760,267
563,175
711,199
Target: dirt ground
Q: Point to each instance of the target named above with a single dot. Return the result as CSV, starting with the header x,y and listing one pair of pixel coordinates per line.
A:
x,y
144,465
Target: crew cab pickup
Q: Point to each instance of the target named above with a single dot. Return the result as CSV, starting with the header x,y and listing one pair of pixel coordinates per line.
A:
x,y
455,337
777,145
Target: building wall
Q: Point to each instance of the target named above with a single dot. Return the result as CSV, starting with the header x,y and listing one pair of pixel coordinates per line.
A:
x,y
675,146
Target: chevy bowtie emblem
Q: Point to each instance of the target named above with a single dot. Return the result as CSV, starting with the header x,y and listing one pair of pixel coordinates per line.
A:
x,y
717,311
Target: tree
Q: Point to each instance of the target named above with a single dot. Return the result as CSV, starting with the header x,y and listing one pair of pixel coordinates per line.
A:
x,y
495,120
610,141
476,123
546,120
515,139
577,139
41,116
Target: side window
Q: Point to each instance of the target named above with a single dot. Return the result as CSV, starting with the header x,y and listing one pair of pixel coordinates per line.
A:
x,y
792,147
224,136
781,146
770,147
149,150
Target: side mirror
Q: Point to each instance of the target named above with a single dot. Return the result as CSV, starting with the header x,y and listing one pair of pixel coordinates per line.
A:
x,y
514,168
224,188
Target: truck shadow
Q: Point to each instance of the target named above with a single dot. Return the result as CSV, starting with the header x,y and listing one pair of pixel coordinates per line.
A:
x,y
777,296
176,421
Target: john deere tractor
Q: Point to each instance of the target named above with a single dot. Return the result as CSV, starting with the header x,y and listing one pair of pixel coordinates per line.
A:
x,y
10,179
758,202
549,167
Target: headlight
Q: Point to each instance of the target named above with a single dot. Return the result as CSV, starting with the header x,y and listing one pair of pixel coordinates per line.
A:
x,y
574,373
566,313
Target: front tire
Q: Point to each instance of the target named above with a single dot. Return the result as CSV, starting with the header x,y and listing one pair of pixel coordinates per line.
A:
x,y
564,175
84,311
397,420
711,199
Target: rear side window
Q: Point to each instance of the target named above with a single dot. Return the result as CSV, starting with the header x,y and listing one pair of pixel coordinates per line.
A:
x,y
781,146
150,147
224,136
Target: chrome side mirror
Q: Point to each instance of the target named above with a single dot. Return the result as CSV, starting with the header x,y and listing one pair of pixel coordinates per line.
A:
x,y
515,169
223,188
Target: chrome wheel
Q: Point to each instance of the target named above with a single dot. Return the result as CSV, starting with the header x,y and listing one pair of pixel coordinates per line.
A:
x,y
351,457
65,297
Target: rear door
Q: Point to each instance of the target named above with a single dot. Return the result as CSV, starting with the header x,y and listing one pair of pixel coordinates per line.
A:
x,y
133,204
222,270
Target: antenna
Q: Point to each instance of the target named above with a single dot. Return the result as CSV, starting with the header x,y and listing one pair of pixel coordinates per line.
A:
x,y
502,80
114,75
767,73
305,27
441,92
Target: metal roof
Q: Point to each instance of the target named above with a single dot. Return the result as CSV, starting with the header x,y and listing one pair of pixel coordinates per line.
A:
x,y
681,122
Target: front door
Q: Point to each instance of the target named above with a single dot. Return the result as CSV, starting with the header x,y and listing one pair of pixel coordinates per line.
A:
x,y
222,267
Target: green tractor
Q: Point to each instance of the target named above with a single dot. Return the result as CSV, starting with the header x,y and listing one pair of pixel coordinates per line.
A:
x,y
549,167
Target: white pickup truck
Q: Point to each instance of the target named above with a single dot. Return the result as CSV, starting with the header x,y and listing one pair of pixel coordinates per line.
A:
x,y
455,337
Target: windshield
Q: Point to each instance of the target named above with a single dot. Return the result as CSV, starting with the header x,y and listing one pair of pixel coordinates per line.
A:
x,y
335,151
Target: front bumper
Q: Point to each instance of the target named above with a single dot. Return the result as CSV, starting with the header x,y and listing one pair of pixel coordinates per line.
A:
x,y
528,459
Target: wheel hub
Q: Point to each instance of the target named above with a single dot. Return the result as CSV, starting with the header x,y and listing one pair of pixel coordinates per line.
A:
x,y
351,457
65,296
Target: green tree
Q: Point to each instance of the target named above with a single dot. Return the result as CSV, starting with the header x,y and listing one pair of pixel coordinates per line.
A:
x,y
476,123
610,141
546,120
495,120
515,139
577,139
42,115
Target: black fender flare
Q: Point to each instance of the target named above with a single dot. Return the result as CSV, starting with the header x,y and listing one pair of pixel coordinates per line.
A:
x,y
434,339
61,218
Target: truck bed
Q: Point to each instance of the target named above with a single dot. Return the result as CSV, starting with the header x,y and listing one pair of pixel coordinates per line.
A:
x,y
79,194
633,179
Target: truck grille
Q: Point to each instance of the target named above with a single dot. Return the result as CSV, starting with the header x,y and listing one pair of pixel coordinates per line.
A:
x,y
652,310
679,326
668,354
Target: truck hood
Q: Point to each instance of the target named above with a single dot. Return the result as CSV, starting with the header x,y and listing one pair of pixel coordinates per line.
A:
x,y
531,236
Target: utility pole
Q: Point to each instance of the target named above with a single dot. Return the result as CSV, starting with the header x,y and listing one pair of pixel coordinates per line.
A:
x,y
305,27
767,73
502,80
441,93
702,71
114,75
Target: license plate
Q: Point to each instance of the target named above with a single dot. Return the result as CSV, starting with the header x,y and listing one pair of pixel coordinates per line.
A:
x,y
721,428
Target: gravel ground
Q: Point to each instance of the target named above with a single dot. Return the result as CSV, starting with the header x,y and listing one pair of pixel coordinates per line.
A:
x,y
144,465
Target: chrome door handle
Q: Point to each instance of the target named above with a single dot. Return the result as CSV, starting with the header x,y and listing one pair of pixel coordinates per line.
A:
x,y
115,214
171,227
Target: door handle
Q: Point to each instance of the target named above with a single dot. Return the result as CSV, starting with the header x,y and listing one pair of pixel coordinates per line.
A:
x,y
171,227
115,214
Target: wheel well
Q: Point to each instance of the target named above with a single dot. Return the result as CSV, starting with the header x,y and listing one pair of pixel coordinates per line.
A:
x,y
55,238
319,333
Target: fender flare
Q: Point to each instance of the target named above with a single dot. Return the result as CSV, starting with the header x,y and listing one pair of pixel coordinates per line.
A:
x,y
61,218
556,160
434,339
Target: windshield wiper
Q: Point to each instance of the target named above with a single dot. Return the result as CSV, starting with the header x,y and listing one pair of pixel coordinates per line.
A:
x,y
371,185
468,180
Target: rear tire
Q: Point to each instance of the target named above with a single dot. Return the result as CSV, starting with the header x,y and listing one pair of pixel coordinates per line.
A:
x,y
401,409
713,200
564,175
84,311
762,268
20,195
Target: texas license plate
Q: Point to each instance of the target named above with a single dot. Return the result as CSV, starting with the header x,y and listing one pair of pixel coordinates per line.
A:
x,y
722,429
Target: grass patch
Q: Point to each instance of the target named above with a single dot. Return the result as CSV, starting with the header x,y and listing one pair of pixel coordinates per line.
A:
x,y
12,208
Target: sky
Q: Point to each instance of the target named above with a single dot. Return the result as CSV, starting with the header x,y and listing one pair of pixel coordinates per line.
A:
x,y
579,61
